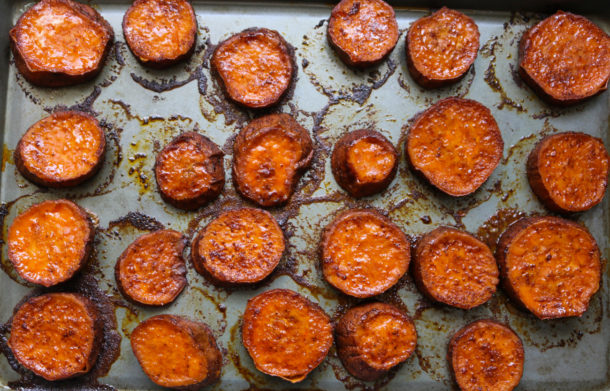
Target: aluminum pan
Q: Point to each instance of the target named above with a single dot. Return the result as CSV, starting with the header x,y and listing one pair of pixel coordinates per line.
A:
x,y
328,99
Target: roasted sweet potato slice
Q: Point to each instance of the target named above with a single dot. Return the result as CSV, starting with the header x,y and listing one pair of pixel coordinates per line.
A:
x,y
455,268
239,246
61,150
176,352
363,253
50,242
152,271
286,334
455,145
569,171
362,32
550,266
486,355
441,47
565,58
57,335
255,67
364,162
374,338
190,171
269,157
160,33
58,43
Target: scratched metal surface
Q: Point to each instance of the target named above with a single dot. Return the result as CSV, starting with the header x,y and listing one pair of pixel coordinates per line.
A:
x,y
143,109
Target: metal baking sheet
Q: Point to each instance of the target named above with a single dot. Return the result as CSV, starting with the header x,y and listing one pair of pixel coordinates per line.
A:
x,y
143,109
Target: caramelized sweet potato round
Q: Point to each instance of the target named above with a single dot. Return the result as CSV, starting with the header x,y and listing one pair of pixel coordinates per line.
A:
x,y
269,157
286,334
58,43
239,246
363,253
486,355
565,58
364,162
61,150
152,271
50,242
57,335
550,266
374,338
441,47
569,171
190,171
455,145
160,33
455,268
176,352
362,32
255,67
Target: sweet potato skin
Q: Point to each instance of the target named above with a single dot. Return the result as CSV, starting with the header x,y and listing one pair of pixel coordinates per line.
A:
x,y
48,76
397,343
346,174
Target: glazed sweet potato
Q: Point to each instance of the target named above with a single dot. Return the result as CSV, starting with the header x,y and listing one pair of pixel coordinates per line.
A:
x,y
363,253
190,171
286,334
549,266
50,242
486,355
269,157
362,32
239,246
364,162
455,268
569,171
176,352
373,338
160,33
59,43
255,67
152,271
57,335
565,58
62,150
455,145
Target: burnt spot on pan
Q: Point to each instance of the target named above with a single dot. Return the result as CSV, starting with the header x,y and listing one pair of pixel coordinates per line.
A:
x,y
489,232
492,49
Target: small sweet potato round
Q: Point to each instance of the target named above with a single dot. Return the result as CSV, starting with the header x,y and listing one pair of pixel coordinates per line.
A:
x,y
50,242
374,338
269,157
363,253
62,150
362,32
286,335
565,58
176,352
255,67
59,43
455,268
441,47
364,162
56,335
569,171
486,355
190,171
240,246
549,266
455,145
160,33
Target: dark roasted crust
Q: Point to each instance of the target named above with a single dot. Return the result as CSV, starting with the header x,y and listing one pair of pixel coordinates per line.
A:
x,y
344,174
60,79
59,182
215,165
